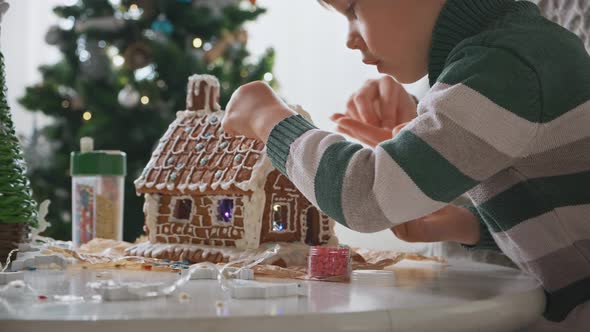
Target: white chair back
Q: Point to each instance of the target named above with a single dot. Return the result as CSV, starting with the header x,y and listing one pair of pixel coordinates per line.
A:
x,y
571,14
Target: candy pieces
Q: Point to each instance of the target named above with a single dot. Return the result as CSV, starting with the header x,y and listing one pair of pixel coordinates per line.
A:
x,y
16,289
115,291
243,274
34,259
328,262
241,289
209,273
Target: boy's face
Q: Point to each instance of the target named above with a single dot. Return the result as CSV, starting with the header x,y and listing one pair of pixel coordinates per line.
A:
x,y
394,35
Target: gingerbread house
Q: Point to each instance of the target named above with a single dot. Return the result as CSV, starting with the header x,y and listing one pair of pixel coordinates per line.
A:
x,y
206,190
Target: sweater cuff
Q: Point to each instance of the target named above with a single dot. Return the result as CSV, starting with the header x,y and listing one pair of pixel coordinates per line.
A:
x,y
486,241
281,137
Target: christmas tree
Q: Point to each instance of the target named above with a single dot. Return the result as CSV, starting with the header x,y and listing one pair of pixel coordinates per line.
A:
x,y
18,210
121,80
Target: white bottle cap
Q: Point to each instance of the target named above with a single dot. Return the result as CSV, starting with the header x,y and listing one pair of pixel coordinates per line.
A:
x,y
86,144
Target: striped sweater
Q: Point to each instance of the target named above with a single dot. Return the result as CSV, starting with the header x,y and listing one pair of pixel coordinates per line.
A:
x,y
507,121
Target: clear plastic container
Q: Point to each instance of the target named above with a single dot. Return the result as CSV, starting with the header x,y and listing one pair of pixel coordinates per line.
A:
x,y
329,262
98,184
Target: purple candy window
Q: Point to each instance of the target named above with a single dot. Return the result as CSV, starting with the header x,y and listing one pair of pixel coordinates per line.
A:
x,y
225,210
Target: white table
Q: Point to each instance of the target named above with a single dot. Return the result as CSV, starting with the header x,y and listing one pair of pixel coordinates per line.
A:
x,y
461,296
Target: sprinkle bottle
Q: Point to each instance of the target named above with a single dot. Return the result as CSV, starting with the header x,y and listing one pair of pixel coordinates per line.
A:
x,y
97,193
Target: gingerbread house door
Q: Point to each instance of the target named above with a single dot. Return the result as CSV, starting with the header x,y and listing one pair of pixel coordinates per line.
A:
x,y
281,220
312,219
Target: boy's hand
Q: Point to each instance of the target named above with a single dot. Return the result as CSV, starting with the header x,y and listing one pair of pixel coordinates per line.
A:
x,y
253,111
375,110
451,223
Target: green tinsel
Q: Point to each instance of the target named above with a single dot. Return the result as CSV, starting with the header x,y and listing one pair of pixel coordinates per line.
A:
x,y
16,202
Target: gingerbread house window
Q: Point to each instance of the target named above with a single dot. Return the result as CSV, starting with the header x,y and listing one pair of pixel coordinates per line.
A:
x,y
225,211
280,217
182,209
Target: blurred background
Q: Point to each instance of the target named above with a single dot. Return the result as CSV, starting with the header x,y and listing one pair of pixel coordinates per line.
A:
x,y
116,70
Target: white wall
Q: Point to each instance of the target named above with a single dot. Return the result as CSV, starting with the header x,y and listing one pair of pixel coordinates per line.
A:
x,y
313,66
24,48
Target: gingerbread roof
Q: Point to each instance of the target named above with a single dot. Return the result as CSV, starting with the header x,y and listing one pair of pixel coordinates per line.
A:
x,y
195,155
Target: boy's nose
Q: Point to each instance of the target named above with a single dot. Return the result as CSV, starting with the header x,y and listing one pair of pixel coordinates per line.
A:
x,y
354,42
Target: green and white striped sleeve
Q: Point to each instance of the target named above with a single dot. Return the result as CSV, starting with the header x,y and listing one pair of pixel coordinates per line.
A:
x,y
486,240
470,125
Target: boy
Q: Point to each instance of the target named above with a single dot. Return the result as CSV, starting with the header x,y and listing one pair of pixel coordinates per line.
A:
x,y
507,121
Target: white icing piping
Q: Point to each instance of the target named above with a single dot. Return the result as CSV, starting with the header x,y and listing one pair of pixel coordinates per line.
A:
x,y
253,209
333,241
259,170
141,181
151,211
211,87
293,254
287,202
